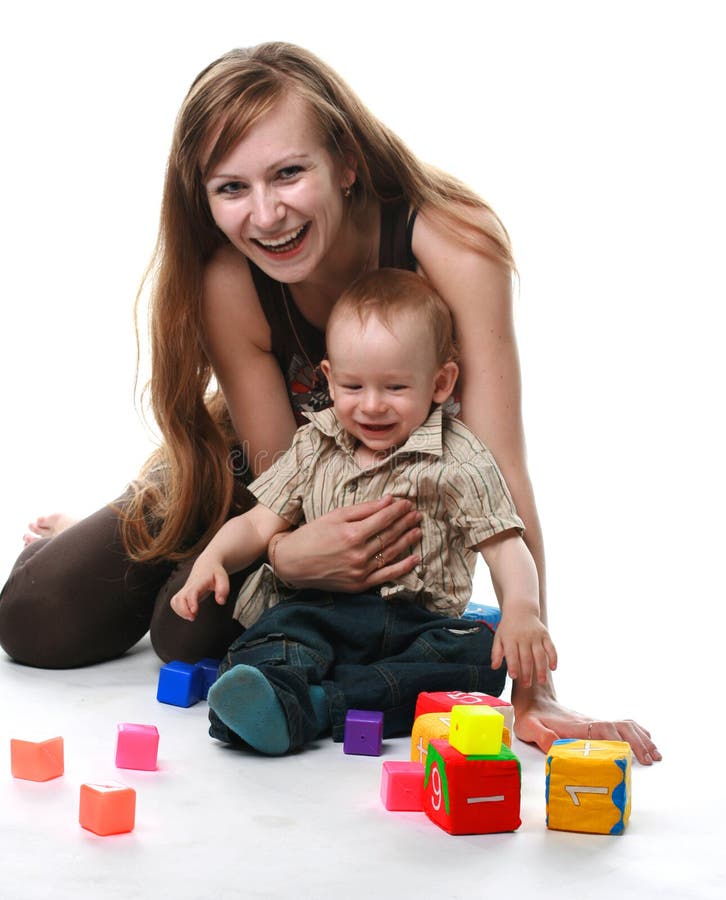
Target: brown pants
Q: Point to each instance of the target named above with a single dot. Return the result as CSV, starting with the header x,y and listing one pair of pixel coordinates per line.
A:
x,y
77,599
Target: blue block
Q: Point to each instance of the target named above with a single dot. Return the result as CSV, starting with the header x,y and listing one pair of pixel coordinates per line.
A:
x,y
209,670
180,684
480,612
363,732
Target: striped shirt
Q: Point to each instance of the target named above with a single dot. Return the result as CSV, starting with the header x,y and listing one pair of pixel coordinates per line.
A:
x,y
443,468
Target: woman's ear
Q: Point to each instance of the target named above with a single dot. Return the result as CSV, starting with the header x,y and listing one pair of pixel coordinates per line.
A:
x,y
328,372
445,381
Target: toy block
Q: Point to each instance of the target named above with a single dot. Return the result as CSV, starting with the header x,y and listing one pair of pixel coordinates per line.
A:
x,y
107,808
443,701
209,669
476,730
435,726
588,786
137,747
402,786
363,734
472,794
39,761
480,612
180,684
426,728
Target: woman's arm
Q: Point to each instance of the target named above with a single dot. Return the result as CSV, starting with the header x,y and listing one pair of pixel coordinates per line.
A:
x,y
337,551
478,290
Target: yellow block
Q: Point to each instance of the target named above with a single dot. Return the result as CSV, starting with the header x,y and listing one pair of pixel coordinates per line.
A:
x,y
588,786
476,730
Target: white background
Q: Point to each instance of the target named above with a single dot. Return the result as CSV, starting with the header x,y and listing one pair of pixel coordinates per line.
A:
x,y
594,129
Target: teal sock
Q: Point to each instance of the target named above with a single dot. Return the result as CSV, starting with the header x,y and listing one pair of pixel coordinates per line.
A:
x,y
247,704
320,707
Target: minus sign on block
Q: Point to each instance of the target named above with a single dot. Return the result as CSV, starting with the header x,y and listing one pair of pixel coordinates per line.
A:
x,y
500,797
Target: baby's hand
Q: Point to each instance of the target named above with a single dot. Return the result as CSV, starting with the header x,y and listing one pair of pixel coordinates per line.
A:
x,y
204,578
523,640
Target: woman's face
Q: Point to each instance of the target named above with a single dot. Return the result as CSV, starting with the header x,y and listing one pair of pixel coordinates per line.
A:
x,y
278,195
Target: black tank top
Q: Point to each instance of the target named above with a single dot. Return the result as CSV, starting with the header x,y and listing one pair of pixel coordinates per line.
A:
x,y
306,385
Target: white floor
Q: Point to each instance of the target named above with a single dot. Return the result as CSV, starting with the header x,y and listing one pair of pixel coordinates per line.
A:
x,y
212,822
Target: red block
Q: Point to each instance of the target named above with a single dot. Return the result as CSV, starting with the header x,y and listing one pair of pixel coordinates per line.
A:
x,y
472,794
402,785
444,701
107,808
36,761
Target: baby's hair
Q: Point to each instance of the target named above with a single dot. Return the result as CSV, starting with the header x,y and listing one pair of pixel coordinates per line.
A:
x,y
390,292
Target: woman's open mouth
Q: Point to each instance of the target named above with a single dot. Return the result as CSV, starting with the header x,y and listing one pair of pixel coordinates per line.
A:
x,y
285,244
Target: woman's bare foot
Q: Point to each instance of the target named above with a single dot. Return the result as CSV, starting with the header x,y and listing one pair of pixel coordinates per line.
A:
x,y
48,527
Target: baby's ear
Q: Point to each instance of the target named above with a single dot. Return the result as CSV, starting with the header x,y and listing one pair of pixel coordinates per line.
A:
x,y
328,372
445,381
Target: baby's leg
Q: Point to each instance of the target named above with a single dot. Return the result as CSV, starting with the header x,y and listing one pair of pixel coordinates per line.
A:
x,y
269,693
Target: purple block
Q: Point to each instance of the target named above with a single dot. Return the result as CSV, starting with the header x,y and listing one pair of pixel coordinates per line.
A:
x,y
180,684
363,732
209,668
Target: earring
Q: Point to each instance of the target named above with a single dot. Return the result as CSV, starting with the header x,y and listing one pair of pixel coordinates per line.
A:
x,y
347,191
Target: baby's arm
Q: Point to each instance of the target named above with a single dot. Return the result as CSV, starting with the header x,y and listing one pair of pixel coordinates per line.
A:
x,y
238,543
521,637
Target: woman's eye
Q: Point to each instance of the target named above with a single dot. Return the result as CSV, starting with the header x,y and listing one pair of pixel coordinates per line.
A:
x,y
230,187
289,172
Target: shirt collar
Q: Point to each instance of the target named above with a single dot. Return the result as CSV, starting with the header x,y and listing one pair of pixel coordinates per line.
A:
x,y
427,438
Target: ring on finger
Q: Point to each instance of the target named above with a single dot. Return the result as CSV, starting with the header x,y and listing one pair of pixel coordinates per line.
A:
x,y
380,560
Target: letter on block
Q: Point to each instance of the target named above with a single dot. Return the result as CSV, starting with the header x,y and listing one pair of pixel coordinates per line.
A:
x,y
107,808
443,701
472,794
363,734
402,786
587,786
180,684
209,669
33,761
476,730
137,747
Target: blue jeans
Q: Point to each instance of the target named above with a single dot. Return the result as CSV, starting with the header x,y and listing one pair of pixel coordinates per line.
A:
x,y
366,652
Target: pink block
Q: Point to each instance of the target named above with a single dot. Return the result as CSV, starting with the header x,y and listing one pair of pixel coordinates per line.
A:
x,y
402,786
137,747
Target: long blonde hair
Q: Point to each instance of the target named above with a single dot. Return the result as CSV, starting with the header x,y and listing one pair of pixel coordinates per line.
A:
x,y
186,490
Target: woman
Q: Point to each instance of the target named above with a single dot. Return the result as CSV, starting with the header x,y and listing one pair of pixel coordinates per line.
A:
x,y
281,189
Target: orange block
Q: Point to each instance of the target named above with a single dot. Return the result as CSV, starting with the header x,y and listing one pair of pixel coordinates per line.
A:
x,y
36,761
107,808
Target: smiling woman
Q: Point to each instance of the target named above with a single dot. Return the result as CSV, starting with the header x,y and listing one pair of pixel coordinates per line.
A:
x,y
281,189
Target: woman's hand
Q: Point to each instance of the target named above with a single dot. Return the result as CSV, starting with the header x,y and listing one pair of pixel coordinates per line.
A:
x,y
352,548
540,720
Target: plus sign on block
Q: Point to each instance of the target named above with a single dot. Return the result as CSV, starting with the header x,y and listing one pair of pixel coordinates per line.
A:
x,y
443,701
472,794
587,786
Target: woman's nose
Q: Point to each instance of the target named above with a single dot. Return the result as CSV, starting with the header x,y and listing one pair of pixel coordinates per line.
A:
x,y
267,210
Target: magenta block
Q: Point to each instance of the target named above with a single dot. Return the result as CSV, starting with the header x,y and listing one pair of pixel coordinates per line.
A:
x,y
402,786
137,747
363,732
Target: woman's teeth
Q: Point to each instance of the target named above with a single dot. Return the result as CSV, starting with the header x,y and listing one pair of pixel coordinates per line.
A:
x,y
282,243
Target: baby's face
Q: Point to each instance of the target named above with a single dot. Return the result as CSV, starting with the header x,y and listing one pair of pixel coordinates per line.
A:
x,y
382,380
